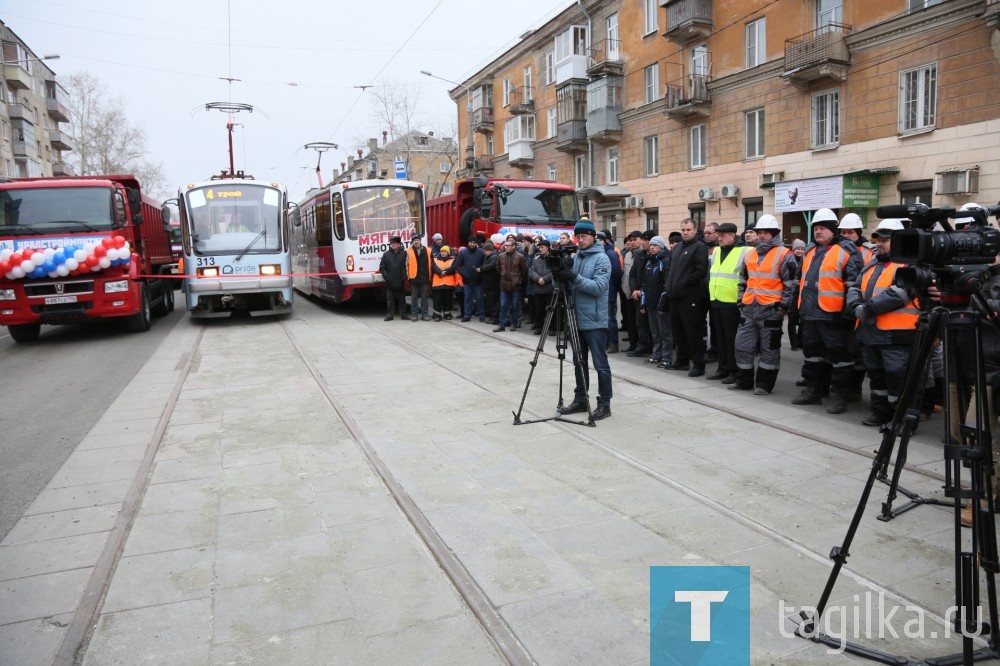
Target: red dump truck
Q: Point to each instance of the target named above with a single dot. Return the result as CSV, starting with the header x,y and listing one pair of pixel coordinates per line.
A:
x,y
81,248
504,206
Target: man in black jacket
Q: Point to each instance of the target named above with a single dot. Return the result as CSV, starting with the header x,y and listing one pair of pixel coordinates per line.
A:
x,y
393,269
644,346
687,287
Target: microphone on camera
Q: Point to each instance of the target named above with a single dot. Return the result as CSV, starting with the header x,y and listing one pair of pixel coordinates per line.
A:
x,y
901,211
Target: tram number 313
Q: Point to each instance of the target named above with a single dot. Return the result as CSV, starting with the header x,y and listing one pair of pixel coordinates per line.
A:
x,y
206,261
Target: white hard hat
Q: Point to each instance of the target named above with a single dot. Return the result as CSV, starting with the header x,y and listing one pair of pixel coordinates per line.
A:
x,y
886,227
851,221
824,215
767,223
962,221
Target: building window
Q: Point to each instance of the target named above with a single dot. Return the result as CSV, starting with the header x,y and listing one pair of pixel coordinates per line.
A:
x,y
550,68
699,60
519,128
828,11
445,167
529,174
756,53
489,144
528,94
754,132
612,161
552,172
697,213
650,7
553,124
915,191
651,82
652,220
507,88
917,98
580,171
825,114
697,146
5,128
753,208
650,156
916,5
612,29
446,188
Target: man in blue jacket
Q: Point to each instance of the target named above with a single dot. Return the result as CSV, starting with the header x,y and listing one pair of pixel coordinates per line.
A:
x,y
588,281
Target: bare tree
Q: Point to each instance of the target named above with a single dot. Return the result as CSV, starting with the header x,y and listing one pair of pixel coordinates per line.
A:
x,y
106,142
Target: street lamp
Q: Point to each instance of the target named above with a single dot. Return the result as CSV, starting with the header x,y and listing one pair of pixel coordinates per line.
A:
x,y
470,149
45,56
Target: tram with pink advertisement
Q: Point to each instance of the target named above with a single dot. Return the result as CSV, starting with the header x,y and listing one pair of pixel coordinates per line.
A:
x,y
341,231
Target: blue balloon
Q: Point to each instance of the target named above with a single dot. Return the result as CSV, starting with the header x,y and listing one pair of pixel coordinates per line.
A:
x,y
48,266
39,272
59,258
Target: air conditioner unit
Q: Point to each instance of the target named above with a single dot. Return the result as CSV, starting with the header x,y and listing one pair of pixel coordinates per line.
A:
x,y
772,178
730,191
706,194
958,182
633,202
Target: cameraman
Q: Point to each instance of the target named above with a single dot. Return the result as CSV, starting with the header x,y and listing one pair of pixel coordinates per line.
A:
x,y
588,281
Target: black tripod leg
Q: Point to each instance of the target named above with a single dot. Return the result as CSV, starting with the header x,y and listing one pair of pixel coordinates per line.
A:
x,y
573,333
549,315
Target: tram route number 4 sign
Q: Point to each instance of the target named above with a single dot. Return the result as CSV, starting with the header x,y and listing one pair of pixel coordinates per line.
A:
x,y
699,616
400,167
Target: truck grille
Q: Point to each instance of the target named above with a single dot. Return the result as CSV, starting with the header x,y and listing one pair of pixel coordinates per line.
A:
x,y
35,290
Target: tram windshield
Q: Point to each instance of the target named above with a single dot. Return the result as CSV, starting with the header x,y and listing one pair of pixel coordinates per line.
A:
x,y
45,210
537,205
389,209
235,218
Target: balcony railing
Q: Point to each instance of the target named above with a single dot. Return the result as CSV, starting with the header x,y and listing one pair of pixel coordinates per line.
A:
x,y
521,153
604,58
571,136
687,96
521,101
482,120
60,140
817,54
17,76
19,111
62,169
688,21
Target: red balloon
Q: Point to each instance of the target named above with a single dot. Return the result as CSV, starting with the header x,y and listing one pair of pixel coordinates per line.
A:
x,y
26,253
101,250
16,259
4,267
107,243
119,242
91,261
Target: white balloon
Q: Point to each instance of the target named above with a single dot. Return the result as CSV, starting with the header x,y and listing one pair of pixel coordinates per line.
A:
x,y
27,266
53,274
17,272
10,276
105,262
72,264
5,253
49,252
114,254
95,268
38,258
80,255
61,270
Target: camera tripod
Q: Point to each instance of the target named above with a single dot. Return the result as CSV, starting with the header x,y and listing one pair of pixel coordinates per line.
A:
x,y
560,313
973,450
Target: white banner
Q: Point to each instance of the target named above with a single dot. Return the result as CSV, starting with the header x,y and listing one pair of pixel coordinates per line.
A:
x,y
812,194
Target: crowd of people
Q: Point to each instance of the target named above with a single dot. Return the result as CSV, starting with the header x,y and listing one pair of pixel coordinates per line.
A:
x,y
702,297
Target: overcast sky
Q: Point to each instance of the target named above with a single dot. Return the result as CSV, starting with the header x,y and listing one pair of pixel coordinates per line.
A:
x,y
168,59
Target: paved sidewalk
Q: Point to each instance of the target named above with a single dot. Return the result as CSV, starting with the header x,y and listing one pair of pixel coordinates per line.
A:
x,y
265,536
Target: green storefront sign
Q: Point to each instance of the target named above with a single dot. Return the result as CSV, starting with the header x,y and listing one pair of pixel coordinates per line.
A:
x,y
860,191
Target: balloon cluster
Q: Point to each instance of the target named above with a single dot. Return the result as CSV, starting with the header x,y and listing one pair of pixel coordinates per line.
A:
x,y
63,261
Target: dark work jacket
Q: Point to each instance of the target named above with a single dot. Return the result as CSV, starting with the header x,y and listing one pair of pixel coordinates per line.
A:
x,y
688,276
513,269
393,268
490,272
466,264
654,299
809,307
638,270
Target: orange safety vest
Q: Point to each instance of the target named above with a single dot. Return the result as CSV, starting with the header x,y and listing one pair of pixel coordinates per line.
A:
x,y
411,262
831,278
621,259
866,254
444,280
764,283
903,319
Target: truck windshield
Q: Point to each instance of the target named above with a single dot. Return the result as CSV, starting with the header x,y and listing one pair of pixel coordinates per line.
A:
x,y
384,209
536,205
233,218
55,210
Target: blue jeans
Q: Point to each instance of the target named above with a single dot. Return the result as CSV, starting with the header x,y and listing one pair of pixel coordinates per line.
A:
x,y
596,342
474,292
510,302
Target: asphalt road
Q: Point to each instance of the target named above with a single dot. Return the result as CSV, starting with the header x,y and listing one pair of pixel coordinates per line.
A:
x,y
54,391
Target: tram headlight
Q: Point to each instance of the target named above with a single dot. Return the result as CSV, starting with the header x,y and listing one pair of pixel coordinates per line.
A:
x,y
270,269
210,271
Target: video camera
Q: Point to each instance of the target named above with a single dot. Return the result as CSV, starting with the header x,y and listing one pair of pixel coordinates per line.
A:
x,y
955,259
560,257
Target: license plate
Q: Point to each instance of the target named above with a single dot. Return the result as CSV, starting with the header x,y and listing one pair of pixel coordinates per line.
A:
x,y
53,300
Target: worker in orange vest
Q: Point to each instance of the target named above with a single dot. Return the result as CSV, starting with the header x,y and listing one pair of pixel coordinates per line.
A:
x,y
886,317
830,265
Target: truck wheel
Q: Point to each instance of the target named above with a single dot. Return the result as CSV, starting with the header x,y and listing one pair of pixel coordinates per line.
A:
x,y
465,226
24,332
166,304
139,322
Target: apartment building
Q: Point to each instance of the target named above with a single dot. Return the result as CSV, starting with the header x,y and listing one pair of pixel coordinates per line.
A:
x,y
658,110
32,141
426,158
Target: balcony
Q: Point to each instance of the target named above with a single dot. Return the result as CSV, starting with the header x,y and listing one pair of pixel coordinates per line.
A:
x,y
571,136
520,153
688,21
521,102
571,68
480,164
60,140
17,77
62,169
605,58
688,96
19,111
20,148
482,120
819,54
604,103
55,94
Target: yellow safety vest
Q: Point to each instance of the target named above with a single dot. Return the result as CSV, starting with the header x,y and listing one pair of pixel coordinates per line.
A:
x,y
724,276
